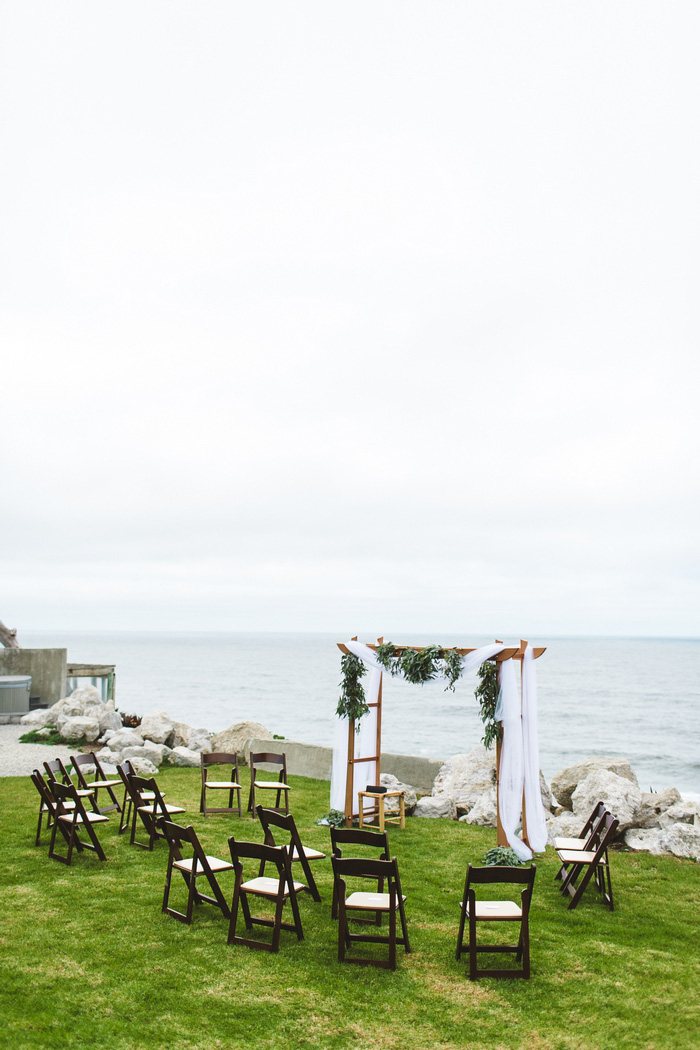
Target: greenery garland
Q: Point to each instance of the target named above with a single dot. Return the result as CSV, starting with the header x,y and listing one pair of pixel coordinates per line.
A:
x,y
419,666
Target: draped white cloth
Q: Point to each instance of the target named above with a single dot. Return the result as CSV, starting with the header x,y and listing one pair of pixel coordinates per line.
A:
x,y
519,752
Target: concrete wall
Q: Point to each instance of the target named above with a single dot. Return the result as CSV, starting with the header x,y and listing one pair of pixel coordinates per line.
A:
x,y
310,760
46,666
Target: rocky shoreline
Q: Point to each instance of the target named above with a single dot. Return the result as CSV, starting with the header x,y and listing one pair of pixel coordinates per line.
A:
x,y
464,789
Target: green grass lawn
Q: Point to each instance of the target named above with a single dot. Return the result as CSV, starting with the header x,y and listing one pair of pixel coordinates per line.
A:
x,y
89,960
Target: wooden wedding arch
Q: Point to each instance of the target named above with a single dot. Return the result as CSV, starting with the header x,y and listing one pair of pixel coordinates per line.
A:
x,y
512,653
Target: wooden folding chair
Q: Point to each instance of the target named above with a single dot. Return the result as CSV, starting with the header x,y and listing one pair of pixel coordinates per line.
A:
x,y
198,865
391,903
73,818
349,839
47,805
590,862
125,770
277,891
257,783
585,835
149,812
56,772
270,818
473,911
220,758
81,765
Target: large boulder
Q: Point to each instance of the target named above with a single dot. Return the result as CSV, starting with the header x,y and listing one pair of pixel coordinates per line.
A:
x,y
78,728
620,795
179,735
654,805
235,738
564,826
465,779
484,813
199,740
430,806
156,726
124,737
109,719
182,756
143,767
681,812
389,781
682,840
565,782
36,718
648,839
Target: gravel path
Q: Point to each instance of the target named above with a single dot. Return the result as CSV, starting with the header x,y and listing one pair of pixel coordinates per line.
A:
x,y
18,760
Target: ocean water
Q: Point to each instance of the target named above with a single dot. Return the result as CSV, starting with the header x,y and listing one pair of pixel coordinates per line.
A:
x,y
637,698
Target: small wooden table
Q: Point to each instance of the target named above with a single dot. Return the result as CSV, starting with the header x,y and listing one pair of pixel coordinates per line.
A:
x,y
378,808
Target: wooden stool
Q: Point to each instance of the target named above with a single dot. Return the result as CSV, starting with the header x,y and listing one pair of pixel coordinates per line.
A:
x,y
378,808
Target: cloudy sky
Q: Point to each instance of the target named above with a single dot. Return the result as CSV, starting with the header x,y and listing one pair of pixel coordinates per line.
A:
x,y
373,316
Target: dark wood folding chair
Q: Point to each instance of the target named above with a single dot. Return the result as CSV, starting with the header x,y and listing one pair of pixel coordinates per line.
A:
x,y
270,818
125,770
220,758
47,805
349,839
277,891
149,812
198,865
584,837
582,864
258,783
82,764
57,773
391,902
74,818
474,911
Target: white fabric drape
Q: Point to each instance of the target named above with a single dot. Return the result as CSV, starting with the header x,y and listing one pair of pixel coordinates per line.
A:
x,y
534,810
510,779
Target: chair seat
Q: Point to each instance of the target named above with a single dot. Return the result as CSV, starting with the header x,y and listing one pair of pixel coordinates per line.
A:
x,y
278,785
577,856
84,792
105,783
170,809
497,910
370,901
93,818
570,843
68,805
226,784
264,887
214,863
310,854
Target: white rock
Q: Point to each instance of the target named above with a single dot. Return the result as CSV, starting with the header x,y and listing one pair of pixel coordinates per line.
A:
x,y
683,840
80,729
648,839
199,740
182,756
155,752
109,720
442,806
388,780
156,726
143,767
620,795
35,718
653,805
466,778
681,813
545,792
234,739
125,738
566,781
180,735
565,826
484,812
111,758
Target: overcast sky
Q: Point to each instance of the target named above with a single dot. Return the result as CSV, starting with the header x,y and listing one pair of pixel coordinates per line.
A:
x,y
371,316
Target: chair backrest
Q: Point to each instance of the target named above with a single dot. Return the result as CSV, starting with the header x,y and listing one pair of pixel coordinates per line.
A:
x,y
44,791
140,785
126,772
277,855
177,837
368,868
499,874
81,765
220,758
602,834
284,821
64,793
57,771
599,811
341,837
268,758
